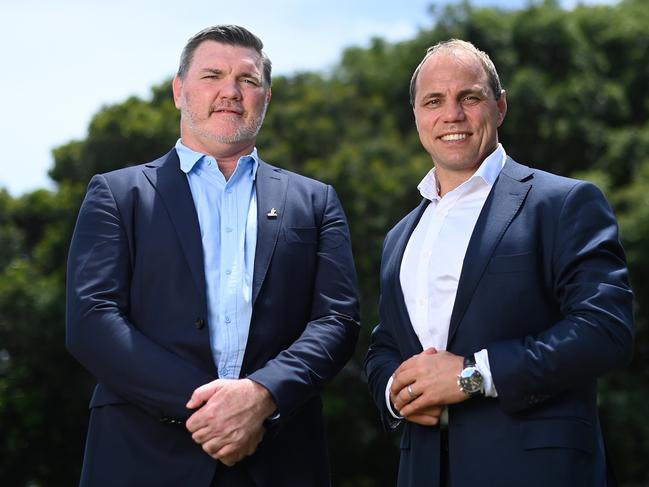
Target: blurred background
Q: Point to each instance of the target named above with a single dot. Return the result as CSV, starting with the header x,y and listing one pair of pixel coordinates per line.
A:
x,y
87,90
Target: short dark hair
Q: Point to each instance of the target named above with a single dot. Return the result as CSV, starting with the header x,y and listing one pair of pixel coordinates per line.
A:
x,y
460,45
233,35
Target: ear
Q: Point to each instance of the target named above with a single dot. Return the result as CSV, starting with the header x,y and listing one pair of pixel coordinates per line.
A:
x,y
502,107
177,86
269,95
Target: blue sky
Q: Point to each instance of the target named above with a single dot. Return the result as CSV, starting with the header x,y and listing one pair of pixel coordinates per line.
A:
x,y
63,60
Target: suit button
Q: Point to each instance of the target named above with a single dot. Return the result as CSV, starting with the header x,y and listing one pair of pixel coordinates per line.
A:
x,y
200,323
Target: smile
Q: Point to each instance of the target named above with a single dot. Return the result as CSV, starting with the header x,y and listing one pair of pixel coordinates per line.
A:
x,y
452,137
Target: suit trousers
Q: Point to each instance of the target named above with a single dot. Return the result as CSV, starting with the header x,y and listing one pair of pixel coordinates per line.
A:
x,y
444,468
236,476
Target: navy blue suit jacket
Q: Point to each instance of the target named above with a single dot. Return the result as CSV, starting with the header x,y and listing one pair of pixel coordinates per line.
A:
x,y
544,289
137,320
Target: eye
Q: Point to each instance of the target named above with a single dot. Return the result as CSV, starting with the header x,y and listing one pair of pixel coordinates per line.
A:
x,y
432,102
471,100
251,81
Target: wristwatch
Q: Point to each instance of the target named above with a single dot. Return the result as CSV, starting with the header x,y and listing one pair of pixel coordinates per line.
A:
x,y
470,379
272,420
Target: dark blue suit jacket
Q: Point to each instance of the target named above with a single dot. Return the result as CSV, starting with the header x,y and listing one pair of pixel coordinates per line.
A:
x,y
137,320
544,289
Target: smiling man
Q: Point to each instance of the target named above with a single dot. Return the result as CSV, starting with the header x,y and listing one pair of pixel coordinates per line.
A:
x,y
212,295
504,295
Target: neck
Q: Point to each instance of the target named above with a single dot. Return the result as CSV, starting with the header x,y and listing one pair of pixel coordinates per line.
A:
x,y
449,180
227,167
226,155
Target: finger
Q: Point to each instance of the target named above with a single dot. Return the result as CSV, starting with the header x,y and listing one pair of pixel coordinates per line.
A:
x,y
430,351
402,397
407,373
235,452
397,401
213,446
227,460
433,411
194,422
407,410
205,434
202,394
401,380
422,407
201,418
423,419
419,405
230,455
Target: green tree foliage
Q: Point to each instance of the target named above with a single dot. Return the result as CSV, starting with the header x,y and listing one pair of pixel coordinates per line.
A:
x,y
576,86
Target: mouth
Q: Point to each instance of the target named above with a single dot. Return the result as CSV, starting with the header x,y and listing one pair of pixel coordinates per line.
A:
x,y
454,137
227,110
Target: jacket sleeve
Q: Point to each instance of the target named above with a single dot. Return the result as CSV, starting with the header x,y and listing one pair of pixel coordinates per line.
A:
x,y
382,359
301,370
98,331
595,334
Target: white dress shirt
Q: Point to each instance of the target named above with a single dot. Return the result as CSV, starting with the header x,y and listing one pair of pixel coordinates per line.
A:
x,y
432,261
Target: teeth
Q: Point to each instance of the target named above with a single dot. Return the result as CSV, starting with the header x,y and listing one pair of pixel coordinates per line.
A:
x,y
454,137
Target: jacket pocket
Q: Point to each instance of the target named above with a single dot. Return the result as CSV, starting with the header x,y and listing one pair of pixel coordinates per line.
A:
x,y
558,433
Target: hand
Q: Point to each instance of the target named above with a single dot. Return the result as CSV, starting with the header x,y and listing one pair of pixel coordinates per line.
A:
x,y
229,423
432,377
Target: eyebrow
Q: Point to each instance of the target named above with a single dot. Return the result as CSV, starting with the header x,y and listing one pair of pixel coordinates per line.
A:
x,y
462,93
218,71
472,91
211,71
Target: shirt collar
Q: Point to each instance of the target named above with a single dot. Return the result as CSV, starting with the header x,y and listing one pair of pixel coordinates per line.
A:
x,y
189,158
488,172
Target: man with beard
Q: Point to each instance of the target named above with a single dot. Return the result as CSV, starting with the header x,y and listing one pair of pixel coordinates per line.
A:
x,y
211,294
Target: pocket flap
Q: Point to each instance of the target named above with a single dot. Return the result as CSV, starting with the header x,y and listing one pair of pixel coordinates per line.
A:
x,y
558,433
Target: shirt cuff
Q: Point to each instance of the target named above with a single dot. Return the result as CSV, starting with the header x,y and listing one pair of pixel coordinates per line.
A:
x,y
388,403
482,363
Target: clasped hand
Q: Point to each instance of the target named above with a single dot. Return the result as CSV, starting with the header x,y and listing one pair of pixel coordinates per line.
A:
x,y
228,421
424,384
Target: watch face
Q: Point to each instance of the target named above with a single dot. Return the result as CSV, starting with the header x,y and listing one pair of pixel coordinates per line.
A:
x,y
470,380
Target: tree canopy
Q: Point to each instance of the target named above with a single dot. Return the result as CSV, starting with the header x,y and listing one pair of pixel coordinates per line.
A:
x,y
576,84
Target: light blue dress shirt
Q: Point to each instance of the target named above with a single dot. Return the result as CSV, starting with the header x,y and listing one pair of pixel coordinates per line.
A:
x,y
227,215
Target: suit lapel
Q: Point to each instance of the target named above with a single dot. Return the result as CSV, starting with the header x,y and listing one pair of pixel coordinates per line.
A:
x,y
502,204
271,186
393,278
172,186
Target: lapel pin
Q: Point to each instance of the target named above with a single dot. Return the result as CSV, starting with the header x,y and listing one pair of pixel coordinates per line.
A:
x,y
272,213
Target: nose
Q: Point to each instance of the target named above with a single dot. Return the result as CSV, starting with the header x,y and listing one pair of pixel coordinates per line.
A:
x,y
230,89
453,111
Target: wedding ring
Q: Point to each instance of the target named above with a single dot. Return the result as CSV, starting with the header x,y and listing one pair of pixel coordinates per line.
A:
x,y
412,395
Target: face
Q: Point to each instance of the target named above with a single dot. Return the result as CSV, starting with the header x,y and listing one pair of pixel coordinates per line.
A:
x,y
456,113
222,98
